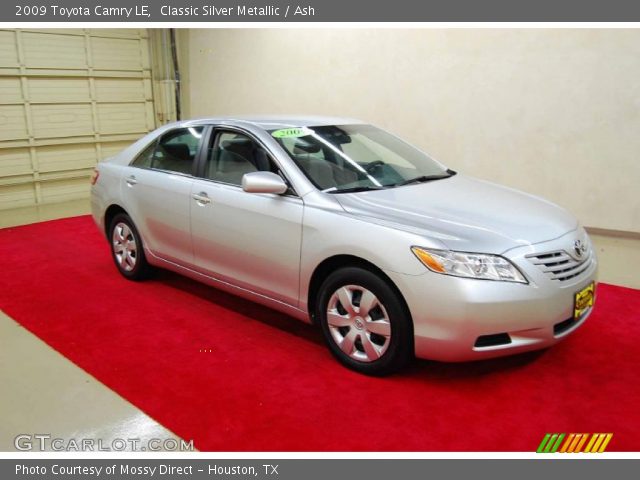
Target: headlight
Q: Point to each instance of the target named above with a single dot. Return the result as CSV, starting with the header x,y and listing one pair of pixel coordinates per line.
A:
x,y
469,265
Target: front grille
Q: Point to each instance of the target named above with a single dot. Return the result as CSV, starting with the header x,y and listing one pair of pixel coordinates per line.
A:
x,y
559,265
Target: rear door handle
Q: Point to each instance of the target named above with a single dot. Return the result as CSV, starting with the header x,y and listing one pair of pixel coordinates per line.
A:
x,y
131,180
201,198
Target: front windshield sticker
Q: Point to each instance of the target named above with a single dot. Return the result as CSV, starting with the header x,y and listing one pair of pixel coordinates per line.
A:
x,y
292,132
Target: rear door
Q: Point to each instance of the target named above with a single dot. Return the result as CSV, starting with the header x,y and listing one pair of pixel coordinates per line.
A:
x,y
156,188
247,239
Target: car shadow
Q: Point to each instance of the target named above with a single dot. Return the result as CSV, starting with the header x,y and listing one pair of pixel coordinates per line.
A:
x,y
239,305
423,369
442,371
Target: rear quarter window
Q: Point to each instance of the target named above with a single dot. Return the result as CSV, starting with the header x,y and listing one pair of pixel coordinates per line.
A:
x,y
143,160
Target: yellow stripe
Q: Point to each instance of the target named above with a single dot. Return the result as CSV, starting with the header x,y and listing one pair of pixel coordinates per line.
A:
x,y
593,439
573,444
605,443
566,443
598,442
584,439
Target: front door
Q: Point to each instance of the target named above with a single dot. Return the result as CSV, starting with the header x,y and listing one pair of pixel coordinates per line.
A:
x,y
247,239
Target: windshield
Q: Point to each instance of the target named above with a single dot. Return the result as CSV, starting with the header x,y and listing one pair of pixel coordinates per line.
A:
x,y
356,157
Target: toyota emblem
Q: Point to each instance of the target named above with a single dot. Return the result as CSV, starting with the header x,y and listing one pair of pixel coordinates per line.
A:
x,y
580,248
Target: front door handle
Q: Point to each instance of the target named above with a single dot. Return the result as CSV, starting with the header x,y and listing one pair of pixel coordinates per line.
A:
x,y
131,180
201,198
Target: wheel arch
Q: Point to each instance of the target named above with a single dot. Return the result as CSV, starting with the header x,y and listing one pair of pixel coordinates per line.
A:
x,y
110,213
333,263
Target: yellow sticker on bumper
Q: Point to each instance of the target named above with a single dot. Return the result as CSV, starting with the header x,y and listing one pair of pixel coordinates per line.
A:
x,y
583,301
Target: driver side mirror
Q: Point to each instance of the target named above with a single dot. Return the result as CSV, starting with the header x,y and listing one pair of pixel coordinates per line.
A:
x,y
263,182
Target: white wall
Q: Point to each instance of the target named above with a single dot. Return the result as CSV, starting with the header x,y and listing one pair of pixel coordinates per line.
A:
x,y
555,112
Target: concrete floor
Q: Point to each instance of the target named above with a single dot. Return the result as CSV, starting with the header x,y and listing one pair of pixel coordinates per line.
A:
x,y
43,393
68,403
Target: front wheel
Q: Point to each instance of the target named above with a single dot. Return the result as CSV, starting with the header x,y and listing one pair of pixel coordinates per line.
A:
x,y
364,321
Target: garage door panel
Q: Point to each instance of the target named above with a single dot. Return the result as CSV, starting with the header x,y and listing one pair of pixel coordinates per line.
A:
x,y
59,90
10,91
54,51
66,157
14,162
145,54
68,99
117,32
8,50
122,117
120,90
61,120
65,190
13,123
116,54
56,31
112,148
15,196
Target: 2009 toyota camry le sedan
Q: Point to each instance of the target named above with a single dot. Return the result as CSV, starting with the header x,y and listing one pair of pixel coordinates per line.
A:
x,y
342,224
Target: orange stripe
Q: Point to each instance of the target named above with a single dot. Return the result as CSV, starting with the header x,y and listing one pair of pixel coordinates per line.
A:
x,y
605,443
596,445
590,444
566,443
575,441
584,439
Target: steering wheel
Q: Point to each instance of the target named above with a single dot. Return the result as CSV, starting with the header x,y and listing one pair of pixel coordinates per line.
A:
x,y
371,166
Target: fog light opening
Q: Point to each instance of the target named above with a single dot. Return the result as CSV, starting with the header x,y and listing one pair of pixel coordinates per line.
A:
x,y
494,340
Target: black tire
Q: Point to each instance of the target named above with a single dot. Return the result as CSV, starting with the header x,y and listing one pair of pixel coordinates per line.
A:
x,y
399,349
140,269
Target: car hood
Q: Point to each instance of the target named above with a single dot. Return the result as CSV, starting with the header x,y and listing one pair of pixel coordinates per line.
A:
x,y
464,213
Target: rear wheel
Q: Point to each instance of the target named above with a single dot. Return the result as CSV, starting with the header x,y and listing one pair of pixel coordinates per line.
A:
x,y
364,321
127,249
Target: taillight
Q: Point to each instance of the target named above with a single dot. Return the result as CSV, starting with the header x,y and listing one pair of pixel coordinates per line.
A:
x,y
94,176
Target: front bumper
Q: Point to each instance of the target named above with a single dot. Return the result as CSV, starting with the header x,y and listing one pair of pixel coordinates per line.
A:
x,y
451,314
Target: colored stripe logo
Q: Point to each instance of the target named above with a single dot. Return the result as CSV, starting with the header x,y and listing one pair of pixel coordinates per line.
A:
x,y
574,443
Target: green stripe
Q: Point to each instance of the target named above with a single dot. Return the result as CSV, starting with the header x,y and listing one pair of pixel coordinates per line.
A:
x,y
557,445
543,443
550,443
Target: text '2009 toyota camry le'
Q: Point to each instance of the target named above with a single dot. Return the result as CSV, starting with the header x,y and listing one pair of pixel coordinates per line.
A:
x,y
344,225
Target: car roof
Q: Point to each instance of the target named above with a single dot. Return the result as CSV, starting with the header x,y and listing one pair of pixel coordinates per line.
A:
x,y
274,122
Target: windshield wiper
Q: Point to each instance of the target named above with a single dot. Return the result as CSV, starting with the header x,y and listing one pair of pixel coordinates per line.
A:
x,y
426,178
353,189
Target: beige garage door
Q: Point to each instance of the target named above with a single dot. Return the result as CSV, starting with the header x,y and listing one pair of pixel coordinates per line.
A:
x,y
68,99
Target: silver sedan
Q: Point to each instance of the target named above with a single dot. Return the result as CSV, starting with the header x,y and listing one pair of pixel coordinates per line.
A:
x,y
344,225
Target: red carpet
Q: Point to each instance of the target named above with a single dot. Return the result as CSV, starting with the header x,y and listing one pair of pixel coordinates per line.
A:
x,y
270,385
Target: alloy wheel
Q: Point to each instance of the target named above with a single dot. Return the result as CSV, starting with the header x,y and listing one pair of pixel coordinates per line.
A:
x,y
358,323
125,247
